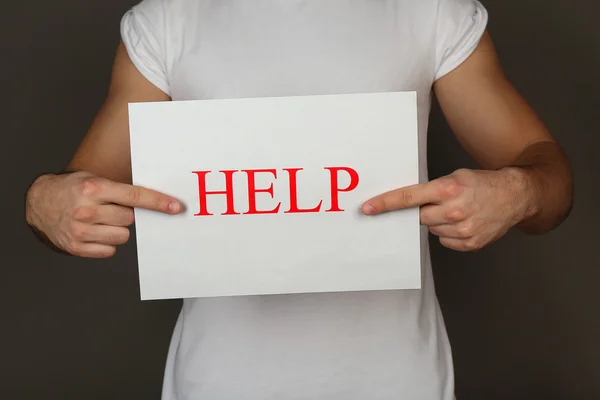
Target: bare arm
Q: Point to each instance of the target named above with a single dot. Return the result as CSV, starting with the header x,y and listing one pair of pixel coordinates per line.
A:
x,y
86,211
499,129
525,180
104,151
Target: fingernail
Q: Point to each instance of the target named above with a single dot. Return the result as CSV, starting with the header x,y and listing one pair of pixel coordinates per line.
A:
x,y
174,206
368,209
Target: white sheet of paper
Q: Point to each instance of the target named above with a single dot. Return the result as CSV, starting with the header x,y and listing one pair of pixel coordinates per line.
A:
x,y
188,256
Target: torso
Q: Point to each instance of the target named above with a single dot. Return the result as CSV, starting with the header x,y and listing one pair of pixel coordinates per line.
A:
x,y
344,346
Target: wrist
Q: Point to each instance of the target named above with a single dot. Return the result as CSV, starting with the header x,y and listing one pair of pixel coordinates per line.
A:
x,y
525,192
33,195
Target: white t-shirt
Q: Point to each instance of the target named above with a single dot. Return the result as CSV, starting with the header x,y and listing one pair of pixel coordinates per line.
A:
x,y
344,346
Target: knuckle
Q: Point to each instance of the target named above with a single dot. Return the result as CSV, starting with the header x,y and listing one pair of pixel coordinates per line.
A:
x,y
129,217
158,202
108,252
124,217
125,236
450,188
447,243
466,229
73,247
78,231
434,231
456,214
406,197
89,186
120,238
462,172
134,195
472,245
424,215
84,214
380,203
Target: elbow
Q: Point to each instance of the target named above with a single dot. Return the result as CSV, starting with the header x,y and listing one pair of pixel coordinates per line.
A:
x,y
553,211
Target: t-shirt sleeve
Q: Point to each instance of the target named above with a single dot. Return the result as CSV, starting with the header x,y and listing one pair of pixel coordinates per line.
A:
x,y
460,26
143,33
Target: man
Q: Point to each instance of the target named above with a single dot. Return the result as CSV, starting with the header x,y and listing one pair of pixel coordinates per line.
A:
x,y
344,346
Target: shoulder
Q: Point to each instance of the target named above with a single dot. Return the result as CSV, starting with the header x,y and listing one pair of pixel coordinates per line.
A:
x,y
460,25
450,13
446,19
150,32
161,8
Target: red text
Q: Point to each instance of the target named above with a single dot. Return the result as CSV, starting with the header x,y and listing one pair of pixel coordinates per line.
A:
x,y
292,175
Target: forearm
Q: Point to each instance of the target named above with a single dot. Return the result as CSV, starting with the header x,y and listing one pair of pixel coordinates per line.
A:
x,y
546,187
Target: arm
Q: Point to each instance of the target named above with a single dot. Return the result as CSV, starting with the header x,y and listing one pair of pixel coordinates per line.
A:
x,y
85,209
104,151
499,129
525,180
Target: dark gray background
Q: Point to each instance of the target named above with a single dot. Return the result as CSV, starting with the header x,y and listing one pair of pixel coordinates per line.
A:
x,y
522,314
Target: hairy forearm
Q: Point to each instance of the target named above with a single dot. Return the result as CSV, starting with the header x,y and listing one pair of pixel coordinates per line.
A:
x,y
547,186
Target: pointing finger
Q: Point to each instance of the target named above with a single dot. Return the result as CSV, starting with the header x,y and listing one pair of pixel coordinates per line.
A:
x,y
140,197
406,197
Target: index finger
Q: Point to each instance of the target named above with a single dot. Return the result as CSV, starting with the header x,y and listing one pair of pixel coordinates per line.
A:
x,y
140,197
406,197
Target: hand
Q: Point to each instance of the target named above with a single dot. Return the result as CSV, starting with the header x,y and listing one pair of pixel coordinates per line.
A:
x,y
88,216
468,209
